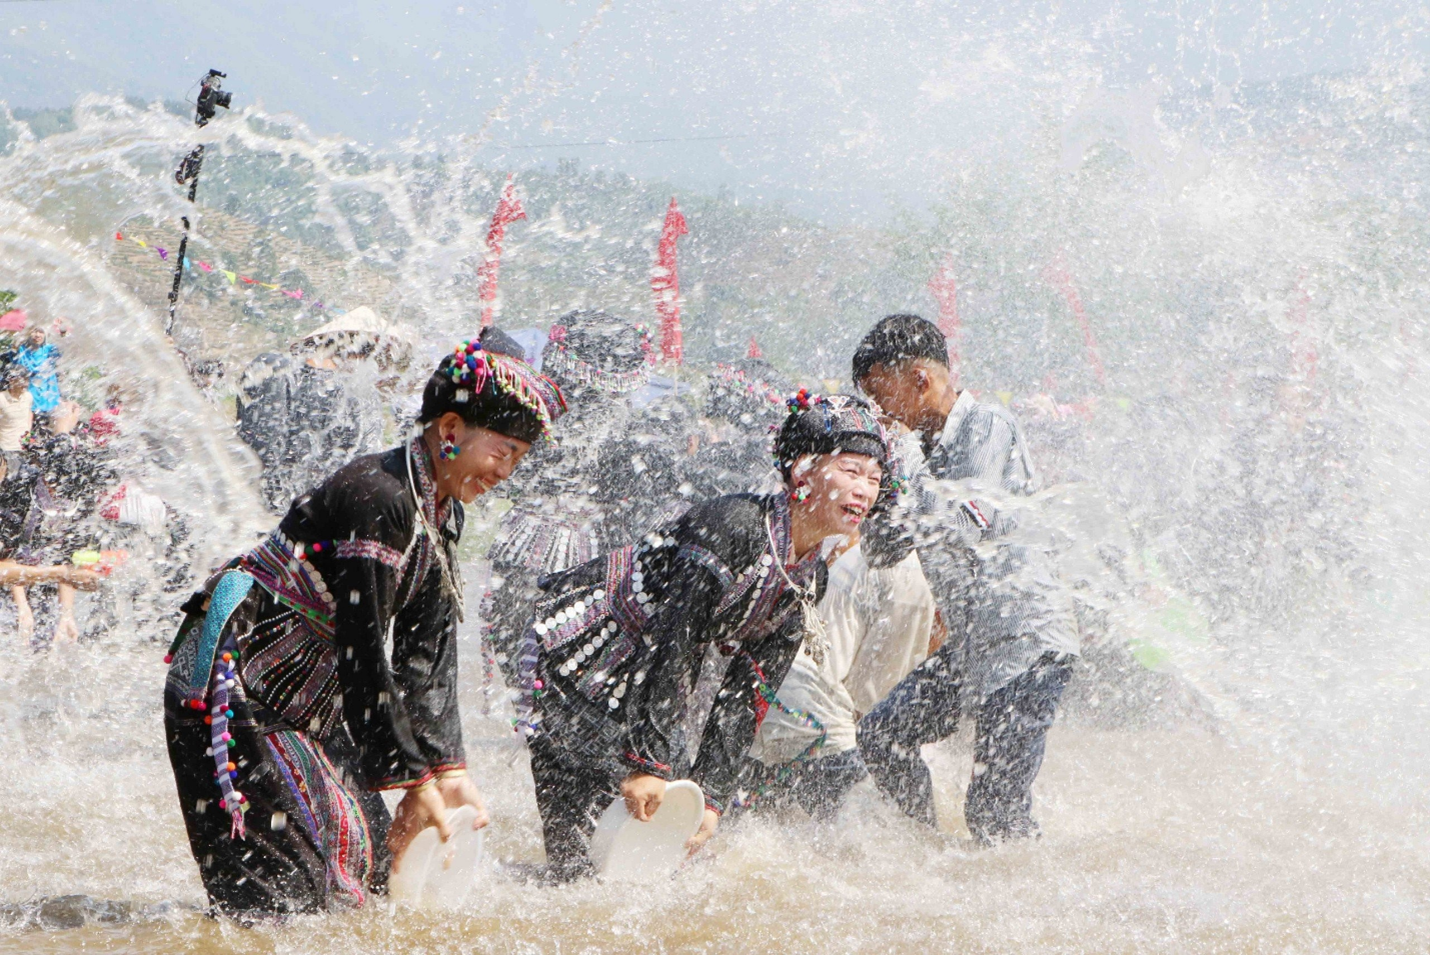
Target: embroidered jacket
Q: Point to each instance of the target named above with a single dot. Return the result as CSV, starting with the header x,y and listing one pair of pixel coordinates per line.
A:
x,y
617,642
351,564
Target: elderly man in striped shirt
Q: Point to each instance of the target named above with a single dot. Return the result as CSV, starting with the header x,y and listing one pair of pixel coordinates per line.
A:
x,y
1013,635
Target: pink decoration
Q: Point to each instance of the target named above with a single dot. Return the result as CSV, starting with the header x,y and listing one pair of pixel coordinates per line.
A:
x,y
1304,357
665,285
508,210
1059,275
945,290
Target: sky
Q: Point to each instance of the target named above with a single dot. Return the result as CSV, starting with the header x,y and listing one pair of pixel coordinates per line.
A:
x,y
842,108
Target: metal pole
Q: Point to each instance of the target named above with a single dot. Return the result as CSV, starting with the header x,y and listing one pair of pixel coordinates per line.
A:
x,y
188,169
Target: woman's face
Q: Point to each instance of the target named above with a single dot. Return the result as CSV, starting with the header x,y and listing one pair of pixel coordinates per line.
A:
x,y
842,489
37,337
486,459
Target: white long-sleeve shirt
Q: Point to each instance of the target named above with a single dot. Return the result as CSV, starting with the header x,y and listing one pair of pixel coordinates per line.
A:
x,y
877,622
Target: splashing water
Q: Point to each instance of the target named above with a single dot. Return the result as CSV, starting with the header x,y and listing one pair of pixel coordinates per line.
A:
x,y
1242,764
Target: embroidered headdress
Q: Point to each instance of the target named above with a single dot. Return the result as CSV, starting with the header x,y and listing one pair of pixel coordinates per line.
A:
x,y
825,425
593,349
747,391
494,391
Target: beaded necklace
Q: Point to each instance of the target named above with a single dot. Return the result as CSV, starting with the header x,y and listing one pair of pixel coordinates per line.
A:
x,y
451,577
766,698
816,638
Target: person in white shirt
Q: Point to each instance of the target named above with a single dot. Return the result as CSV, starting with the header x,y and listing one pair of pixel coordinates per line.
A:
x,y
17,410
878,621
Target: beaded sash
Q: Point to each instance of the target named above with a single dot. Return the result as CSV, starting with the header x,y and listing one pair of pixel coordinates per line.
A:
x,y
282,568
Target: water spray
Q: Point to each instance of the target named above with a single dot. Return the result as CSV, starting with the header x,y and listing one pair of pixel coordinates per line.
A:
x,y
211,97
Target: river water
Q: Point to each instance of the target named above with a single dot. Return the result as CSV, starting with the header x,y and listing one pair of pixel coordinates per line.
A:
x,y
1155,841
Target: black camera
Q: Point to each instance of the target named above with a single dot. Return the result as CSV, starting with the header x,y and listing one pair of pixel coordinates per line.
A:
x,y
211,97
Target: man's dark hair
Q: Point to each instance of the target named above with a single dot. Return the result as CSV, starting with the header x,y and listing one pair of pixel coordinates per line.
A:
x,y
897,339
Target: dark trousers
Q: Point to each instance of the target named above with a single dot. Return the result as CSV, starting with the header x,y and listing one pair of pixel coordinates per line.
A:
x,y
571,794
818,786
1011,728
302,816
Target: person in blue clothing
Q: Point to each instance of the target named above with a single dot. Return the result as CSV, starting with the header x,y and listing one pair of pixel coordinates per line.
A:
x,y
1013,635
41,359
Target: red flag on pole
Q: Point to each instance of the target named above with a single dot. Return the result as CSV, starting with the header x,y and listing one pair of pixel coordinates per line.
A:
x,y
1060,276
945,291
754,350
665,284
508,211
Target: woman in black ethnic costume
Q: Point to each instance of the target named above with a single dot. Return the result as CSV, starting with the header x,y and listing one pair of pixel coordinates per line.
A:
x,y
557,520
610,659
285,717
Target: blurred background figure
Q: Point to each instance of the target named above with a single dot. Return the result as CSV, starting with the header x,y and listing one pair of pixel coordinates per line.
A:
x,y
58,485
307,413
16,412
598,360
41,359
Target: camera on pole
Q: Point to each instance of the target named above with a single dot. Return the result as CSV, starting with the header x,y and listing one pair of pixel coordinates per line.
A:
x,y
210,100
211,97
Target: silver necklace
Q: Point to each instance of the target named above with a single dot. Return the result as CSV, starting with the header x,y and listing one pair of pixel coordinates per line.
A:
x,y
451,578
816,638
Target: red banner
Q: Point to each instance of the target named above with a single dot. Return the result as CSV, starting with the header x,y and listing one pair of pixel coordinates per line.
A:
x,y
665,284
1060,276
945,291
508,211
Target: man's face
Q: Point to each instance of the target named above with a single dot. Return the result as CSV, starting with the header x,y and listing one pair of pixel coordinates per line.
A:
x,y
899,391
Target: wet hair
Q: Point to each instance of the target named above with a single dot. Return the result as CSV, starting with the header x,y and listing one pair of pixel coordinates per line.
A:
x,y
898,339
493,391
827,425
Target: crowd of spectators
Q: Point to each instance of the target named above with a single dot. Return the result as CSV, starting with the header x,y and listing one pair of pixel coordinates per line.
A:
x,y
55,468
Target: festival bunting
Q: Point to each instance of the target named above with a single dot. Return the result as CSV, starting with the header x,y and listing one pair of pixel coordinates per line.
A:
x,y
665,284
233,277
508,210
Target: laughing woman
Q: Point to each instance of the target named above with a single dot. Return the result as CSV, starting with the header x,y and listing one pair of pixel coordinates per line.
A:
x,y
616,645
286,714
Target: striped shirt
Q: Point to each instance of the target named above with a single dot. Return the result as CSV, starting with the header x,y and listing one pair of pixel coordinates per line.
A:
x,y
1007,599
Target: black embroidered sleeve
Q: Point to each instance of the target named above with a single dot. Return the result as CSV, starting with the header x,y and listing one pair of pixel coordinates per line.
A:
x,y
662,688
711,540
739,707
424,659
369,514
